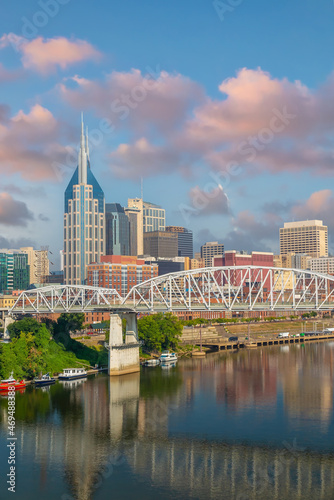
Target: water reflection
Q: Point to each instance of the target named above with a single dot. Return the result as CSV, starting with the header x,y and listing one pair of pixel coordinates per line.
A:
x,y
254,424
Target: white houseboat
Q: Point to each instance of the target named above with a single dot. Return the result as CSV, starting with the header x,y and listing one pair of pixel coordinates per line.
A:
x,y
73,374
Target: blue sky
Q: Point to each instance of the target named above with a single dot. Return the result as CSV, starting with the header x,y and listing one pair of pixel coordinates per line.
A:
x,y
205,80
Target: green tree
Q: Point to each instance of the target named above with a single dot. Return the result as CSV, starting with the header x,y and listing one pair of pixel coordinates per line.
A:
x,y
160,331
69,322
26,325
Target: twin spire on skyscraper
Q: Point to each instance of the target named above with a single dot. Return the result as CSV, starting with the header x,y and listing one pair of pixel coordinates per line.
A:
x,y
83,159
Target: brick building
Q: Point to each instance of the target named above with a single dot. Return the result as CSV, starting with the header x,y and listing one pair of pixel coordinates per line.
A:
x,y
233,259
119,272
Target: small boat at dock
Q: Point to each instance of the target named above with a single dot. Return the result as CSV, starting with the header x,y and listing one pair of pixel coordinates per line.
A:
x,y
167,357
11,383
44,380
151,362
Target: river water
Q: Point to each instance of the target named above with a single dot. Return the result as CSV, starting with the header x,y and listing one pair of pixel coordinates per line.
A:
x,y
257,424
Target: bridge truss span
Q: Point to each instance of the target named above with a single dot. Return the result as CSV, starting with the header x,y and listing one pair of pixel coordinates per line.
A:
x,y
237,288
241,288
65,298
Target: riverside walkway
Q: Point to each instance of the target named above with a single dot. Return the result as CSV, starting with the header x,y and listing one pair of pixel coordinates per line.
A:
x,y
219,344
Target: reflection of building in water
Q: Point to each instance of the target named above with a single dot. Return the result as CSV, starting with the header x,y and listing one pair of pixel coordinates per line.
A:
x,y
80,442
215,471
308,383
247,379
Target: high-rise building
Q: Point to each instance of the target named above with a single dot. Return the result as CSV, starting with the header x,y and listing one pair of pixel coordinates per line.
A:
x,y
160,244
14,270
184,240
154,217
39,264
309,237
117,230
144,217
84,219
135,213
210,250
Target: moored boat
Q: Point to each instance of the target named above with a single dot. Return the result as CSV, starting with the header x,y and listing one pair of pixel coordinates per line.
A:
x,y
167,357
11,383
251,345
72,374
44,380
151,362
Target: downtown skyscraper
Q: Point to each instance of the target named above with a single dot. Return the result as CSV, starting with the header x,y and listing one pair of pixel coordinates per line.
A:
x,y
84,219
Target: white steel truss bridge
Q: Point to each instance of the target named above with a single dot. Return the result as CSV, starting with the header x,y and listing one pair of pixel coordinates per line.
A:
x,y
241,288
65,298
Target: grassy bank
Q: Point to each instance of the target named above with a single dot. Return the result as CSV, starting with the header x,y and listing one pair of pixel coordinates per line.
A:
x,y
31,353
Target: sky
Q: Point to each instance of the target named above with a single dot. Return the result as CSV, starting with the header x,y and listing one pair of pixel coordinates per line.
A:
x,y
225,109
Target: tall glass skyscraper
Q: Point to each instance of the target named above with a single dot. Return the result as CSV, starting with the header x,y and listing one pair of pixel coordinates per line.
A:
x,y
14,270
84,219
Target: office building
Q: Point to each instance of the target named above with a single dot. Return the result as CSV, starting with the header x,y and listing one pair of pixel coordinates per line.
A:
x,y
39,264
154,217
120,272
293,261
197,263
304,237
135,233
161,244
134,211
84,219
211,249
184,240
166,266
144,217
54,278
14,270
323,265
117,230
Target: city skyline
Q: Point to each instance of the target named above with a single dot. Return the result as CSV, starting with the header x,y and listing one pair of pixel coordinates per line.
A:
x,y
168,109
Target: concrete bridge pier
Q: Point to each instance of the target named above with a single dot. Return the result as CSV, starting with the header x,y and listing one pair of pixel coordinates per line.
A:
x,y
123,356
8,320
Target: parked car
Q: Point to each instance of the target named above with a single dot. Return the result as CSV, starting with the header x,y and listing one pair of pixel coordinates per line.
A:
x,y
233,339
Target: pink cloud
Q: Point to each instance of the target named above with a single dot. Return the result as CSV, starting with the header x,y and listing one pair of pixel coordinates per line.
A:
x,y
260,122
140,102
140,159
7,75
319,205
29,144
45,55
261,231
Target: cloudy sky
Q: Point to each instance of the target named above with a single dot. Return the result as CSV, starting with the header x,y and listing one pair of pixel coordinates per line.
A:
x,y
224,108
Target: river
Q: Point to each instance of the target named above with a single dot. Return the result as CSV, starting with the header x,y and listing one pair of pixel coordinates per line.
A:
x,y
255,424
